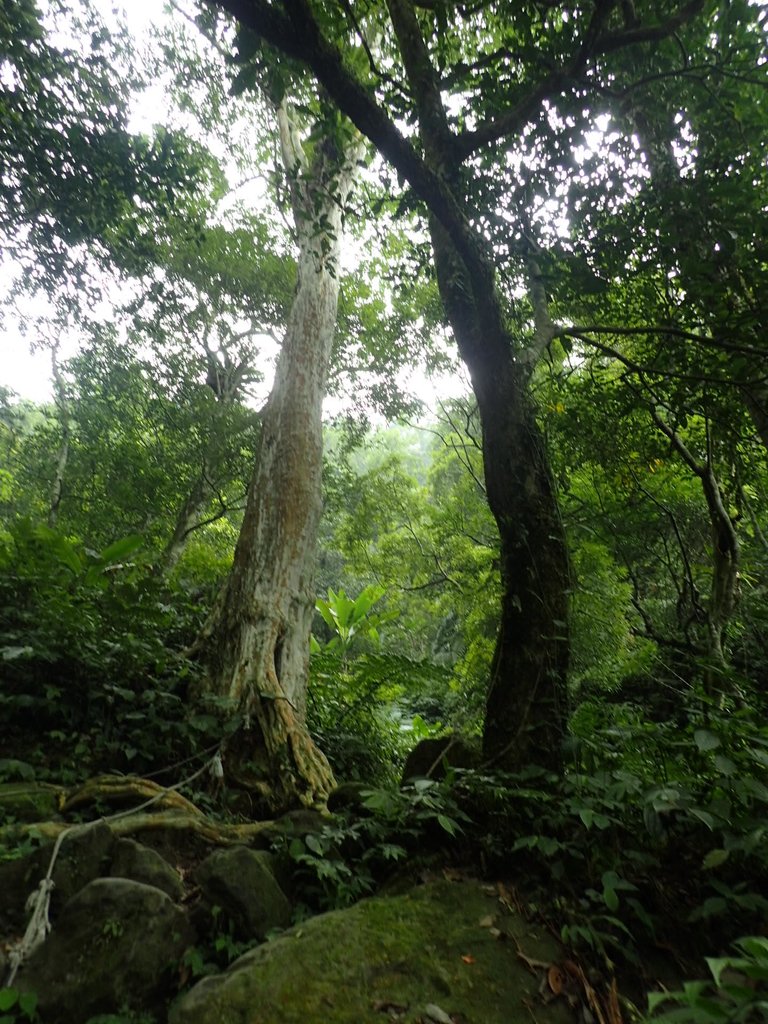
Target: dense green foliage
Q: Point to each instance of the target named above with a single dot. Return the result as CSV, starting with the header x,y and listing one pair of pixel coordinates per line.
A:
x,y
640,247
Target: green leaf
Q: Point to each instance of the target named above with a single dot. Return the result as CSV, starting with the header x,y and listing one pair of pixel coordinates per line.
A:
x,y
704,816
117,551
706,740
610,899
448,824
12,653
314,844
297,848
28,1003
717,965
655,999
725,765
714,859
754,945
8,998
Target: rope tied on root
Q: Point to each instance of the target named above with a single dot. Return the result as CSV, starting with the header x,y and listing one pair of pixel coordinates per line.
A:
x,y
39,901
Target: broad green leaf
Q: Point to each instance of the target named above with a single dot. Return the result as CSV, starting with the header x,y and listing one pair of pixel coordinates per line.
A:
x,y
8,998
448,824
714,859
121,548
706,740
28,1002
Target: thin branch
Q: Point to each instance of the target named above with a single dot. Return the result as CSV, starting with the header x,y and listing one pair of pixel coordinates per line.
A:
x,y
675,332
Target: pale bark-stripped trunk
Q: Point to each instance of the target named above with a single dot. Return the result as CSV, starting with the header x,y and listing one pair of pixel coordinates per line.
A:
x,y
256,646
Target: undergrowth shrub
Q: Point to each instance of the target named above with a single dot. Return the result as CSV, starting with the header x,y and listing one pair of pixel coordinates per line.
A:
x,y
655,834
737,991
89,646
350,856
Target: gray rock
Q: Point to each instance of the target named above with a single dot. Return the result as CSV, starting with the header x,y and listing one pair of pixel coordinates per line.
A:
x,y
83,856
293,825
132,860
242,883
113,946
430,757
348,796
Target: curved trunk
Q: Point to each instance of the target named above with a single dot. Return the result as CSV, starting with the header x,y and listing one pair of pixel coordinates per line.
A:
x,y
256,646
187,519
527,697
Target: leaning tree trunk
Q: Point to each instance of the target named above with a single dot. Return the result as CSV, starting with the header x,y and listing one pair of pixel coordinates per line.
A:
x,y
187,520
726,557
256,646
226,381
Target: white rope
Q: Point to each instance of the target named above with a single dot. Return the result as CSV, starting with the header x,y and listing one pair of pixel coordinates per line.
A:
x,y
39,901
37,905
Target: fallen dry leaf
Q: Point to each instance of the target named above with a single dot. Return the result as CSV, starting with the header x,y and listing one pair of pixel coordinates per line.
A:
x,y
487,922
469,959
555,979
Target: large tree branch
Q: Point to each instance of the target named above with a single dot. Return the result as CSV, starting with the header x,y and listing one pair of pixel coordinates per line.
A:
x,y
298,35
593,45
648,33
423,79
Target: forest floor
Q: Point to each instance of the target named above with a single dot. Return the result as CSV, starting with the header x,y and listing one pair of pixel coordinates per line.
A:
x,y
436,945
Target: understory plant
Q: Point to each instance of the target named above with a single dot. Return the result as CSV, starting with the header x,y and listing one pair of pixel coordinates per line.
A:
x,y
349,857
656,833
90,648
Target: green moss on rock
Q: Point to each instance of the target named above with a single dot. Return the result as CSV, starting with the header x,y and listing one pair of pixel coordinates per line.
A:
x,y
432,945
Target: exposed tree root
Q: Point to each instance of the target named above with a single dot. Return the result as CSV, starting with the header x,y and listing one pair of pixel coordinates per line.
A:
x,y
215,832
169,810
123,788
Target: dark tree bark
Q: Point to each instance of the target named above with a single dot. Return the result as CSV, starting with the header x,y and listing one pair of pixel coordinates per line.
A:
x,y
527,696
526,710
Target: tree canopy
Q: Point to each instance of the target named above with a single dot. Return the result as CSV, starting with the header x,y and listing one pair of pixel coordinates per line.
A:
x,y
241,534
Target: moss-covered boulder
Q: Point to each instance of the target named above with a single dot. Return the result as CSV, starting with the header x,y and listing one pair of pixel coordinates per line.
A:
x,y
243,884
132,860
450,946
115,945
